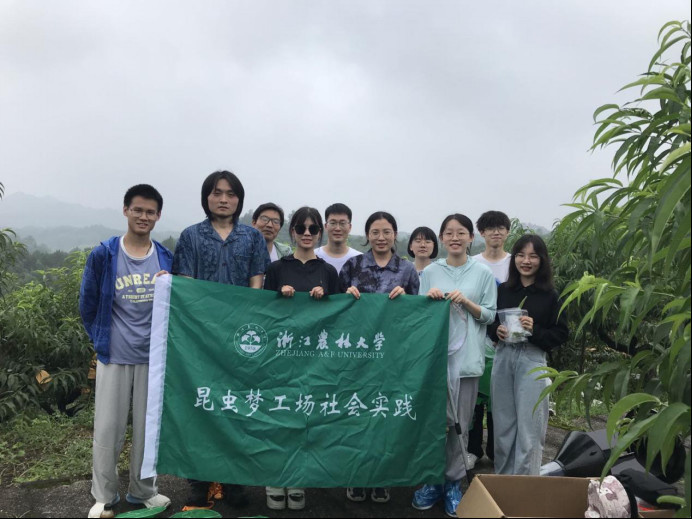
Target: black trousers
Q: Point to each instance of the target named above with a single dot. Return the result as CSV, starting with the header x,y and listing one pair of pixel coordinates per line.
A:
x,y
476,433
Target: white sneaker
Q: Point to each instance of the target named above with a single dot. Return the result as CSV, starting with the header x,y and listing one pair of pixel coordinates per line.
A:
x,y
296,498
471,460
276,498
104,510
153,502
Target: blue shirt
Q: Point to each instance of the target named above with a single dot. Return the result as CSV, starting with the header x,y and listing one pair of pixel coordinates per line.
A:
x,y
132,307
98,288
201,254
367,276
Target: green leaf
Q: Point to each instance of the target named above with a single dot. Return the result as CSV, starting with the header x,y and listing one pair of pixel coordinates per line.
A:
x,y
604,108
198,513
677,187
143,512
665,47
663,430
623,406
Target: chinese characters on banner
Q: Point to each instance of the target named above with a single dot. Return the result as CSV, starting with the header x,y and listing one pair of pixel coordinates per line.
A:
x,y
251,388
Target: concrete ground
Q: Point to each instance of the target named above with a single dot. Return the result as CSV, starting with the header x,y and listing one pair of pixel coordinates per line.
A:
x,y
57,499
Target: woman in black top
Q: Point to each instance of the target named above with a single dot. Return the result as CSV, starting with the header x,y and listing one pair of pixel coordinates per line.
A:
x,y
301,271
519,430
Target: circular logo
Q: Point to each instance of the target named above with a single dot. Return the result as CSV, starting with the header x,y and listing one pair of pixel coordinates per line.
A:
x,y
250,340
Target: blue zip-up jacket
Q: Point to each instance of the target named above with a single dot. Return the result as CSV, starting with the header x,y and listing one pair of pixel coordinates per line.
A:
x,y
98,289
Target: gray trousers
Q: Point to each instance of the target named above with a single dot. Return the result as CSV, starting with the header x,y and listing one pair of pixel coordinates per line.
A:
x,y
519,431
115,385
463,393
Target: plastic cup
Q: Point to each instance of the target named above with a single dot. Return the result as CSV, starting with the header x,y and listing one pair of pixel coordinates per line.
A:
x,y
509,318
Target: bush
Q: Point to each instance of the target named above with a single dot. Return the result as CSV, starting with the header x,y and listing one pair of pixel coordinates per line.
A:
x,y
44,350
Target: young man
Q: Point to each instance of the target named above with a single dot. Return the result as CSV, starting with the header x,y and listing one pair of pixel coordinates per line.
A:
x,y
338,224
223,250
269,219
115,302
494,227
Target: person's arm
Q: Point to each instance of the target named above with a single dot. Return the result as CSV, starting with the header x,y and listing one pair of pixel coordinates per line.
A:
x,y
345,276
183,257
90,290
332,280
256,281
413,283
260,259
492,327
555,332
271,279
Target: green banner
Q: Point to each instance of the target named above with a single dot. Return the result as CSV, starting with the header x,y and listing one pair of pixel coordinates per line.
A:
x,y
252,388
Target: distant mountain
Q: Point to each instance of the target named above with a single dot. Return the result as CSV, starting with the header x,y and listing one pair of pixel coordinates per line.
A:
x,y
67,238
20,210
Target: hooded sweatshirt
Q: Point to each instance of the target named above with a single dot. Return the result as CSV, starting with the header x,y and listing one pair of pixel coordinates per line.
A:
x,y
466,351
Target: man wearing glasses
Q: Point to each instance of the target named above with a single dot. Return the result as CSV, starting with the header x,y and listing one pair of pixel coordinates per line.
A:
x,y
115,302
338,224
269,219
494,227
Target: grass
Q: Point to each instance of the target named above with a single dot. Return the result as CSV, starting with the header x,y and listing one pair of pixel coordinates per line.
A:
x,y
571,416
49,447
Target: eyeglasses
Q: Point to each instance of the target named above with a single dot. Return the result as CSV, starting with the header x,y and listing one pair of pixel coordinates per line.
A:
x,y
138,212
450,234
387,233
265,220
343,224
493,230
313,229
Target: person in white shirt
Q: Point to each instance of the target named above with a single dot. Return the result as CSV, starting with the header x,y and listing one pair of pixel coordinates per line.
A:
x,y
338,224
494,228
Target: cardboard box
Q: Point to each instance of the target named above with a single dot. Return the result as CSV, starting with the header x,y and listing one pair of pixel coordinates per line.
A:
x,y
492,495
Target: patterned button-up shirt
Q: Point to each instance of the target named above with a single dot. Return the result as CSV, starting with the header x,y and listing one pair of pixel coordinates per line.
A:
x,y
367,276
201,254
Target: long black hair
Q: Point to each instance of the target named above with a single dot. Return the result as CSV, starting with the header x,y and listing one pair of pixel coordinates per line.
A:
x,y
380,215
209,185
544,276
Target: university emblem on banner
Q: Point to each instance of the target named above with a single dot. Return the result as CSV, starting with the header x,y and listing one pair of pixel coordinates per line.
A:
x,y
250,340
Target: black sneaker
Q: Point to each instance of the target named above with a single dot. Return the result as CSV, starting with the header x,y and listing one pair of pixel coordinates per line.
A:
x,y
356,494
198,497
380,495
235,496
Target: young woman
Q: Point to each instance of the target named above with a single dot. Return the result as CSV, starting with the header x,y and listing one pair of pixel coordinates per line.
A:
x,y
422,246
301,271
471,288
519,430
380,271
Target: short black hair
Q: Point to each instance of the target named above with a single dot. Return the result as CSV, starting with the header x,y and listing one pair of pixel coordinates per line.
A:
x,y
464,220
145,191
303,214
210,183
379,215
427,234
338,209
544,276
491,219
269,206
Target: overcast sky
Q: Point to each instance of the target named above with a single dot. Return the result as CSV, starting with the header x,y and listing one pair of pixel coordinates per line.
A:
x,y
420,108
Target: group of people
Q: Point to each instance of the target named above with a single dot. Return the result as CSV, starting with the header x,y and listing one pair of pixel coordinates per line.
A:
x,y
116,299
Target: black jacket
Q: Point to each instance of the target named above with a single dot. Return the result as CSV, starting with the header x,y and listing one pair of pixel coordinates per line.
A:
x,y
303,277
549,330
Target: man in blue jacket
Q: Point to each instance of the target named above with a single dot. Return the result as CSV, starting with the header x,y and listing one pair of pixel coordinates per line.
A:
x,y
115,302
